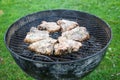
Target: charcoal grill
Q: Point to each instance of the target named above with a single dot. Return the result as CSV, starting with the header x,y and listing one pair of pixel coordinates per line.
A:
x,y
66,67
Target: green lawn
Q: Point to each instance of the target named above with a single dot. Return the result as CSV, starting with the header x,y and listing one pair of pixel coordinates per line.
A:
x,y
108,10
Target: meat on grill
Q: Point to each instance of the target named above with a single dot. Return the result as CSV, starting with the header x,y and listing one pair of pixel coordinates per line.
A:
x,y
67,24
35,35
77,34
45,46
66,46
49,26
69,41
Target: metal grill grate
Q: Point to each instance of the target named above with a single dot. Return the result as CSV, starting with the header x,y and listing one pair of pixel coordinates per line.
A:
x,y
97,41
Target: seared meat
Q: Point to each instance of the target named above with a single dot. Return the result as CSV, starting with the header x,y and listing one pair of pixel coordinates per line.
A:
x,y
45,46
69,41
35,35
77,34
66,46
66,24
50,26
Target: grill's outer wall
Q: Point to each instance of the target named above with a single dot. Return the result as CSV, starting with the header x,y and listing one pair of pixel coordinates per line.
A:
x,y
61,71
57,71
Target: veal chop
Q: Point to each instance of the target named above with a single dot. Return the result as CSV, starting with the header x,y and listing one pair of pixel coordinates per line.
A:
x,y
49,26
77,34
67,25
35,35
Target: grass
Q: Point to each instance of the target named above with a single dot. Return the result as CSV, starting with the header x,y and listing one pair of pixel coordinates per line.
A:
x,y
108,10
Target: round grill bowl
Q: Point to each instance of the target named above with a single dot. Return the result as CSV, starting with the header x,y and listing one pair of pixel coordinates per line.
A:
x,y
74,68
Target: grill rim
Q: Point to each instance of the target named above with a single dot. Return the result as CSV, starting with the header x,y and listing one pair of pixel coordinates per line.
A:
x,y
60,62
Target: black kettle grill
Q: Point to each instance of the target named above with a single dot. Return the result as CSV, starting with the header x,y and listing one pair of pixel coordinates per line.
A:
x,y
66,67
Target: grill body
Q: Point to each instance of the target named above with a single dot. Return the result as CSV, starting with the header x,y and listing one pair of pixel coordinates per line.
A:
x,y
73,68
59,71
